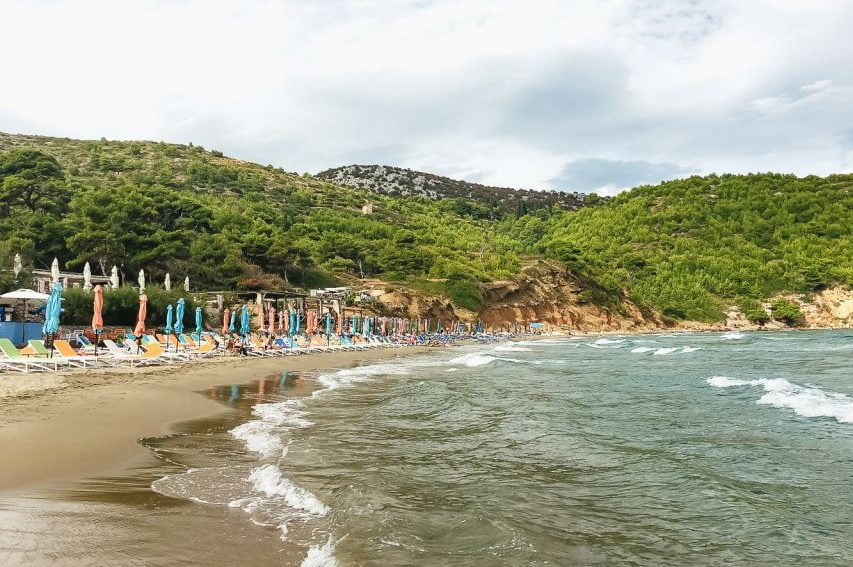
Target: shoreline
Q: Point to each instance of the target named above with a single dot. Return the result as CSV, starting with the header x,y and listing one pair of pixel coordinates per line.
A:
x,y
76,425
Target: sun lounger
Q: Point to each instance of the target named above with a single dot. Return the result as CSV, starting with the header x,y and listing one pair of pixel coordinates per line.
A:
x,y
123,355
13,360
66,351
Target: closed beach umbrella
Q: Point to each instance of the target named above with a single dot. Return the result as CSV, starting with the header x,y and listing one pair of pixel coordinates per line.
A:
x,y
281,328
52,310
98,310
140,317
226,316
245,325
298,322
339,324
232,326
292,324
199,321
179,316
260,308
328,324
439,329
366,326
169,319
272,320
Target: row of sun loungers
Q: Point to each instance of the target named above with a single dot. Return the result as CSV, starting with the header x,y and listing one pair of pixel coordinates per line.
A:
x,y
160,349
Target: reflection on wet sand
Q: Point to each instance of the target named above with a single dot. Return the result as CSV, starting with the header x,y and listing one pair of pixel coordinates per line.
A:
x,y
119,520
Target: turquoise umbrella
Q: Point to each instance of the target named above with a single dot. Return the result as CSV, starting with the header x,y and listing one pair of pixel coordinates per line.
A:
x,y
298,322
292,325
199,326
245,325
439,329
366,326
52,310
179,316
168,328
233,324
328,324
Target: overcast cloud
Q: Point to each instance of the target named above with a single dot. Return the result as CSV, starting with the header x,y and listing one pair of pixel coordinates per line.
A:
x,y
591,96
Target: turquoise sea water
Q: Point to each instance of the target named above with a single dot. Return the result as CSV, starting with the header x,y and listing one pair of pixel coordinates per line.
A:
x,y
669,449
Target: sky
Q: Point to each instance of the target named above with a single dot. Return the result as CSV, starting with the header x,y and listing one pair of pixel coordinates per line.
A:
x,y
578,96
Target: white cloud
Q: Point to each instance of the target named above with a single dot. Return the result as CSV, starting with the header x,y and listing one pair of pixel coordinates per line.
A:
x,y
507,92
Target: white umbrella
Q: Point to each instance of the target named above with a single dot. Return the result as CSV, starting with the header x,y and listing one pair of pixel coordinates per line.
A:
x,y
187,283
18,264
141,281
54,270
114,277
167,283
26,294
87,277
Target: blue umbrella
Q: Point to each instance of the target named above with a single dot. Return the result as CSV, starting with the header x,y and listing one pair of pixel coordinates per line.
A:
x,y
292,325
298,322
232,325
439,329
198,322
52,310
367,326
245,325
168,328
179,316
328,324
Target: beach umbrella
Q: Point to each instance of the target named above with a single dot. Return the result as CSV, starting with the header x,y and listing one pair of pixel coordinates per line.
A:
x,y
52,310
439,329
232,326
298,322
140,316
328,324
169,323
366,326
292,323
114,277
187,283
98,310
54,270
87,277
272,320
281,327
167,282
226,316
141,280
199,322
245,325
18,265
179,316
339,324
260,308
385,325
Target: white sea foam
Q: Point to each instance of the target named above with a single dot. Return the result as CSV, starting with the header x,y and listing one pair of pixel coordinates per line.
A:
x,y
264,435
268,480
690,348
732,336
321,556
805,401
642,349
606,341
473,359
351,376
665,350
509,347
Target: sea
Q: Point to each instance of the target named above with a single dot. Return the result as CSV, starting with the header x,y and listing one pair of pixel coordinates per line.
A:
x,y
690,448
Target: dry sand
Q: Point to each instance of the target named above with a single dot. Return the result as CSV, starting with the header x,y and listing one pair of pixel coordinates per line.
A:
x,y
57,427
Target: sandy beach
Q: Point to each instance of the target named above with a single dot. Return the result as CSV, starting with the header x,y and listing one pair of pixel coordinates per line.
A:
x,y
61,427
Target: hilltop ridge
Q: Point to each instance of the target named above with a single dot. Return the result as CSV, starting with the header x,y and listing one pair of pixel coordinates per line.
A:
x,y
397,181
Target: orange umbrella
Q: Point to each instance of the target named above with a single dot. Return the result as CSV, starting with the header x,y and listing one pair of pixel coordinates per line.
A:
x,y
281,328
261,317
339,326
226,318
140,318
98,309
272,320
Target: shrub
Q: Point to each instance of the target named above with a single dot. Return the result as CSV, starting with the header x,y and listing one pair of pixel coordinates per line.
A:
x,y
788,312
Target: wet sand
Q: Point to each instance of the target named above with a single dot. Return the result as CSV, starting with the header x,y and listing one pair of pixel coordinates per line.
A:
x,y
60,428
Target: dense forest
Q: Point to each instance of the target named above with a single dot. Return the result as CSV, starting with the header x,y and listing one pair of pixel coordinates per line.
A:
x,y
684,247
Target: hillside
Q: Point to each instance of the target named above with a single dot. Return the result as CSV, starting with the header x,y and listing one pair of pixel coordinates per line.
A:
x,y
690,249
495,201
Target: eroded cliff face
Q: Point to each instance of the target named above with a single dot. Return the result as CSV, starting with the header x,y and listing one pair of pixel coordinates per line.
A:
x,y
545,293
549,294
